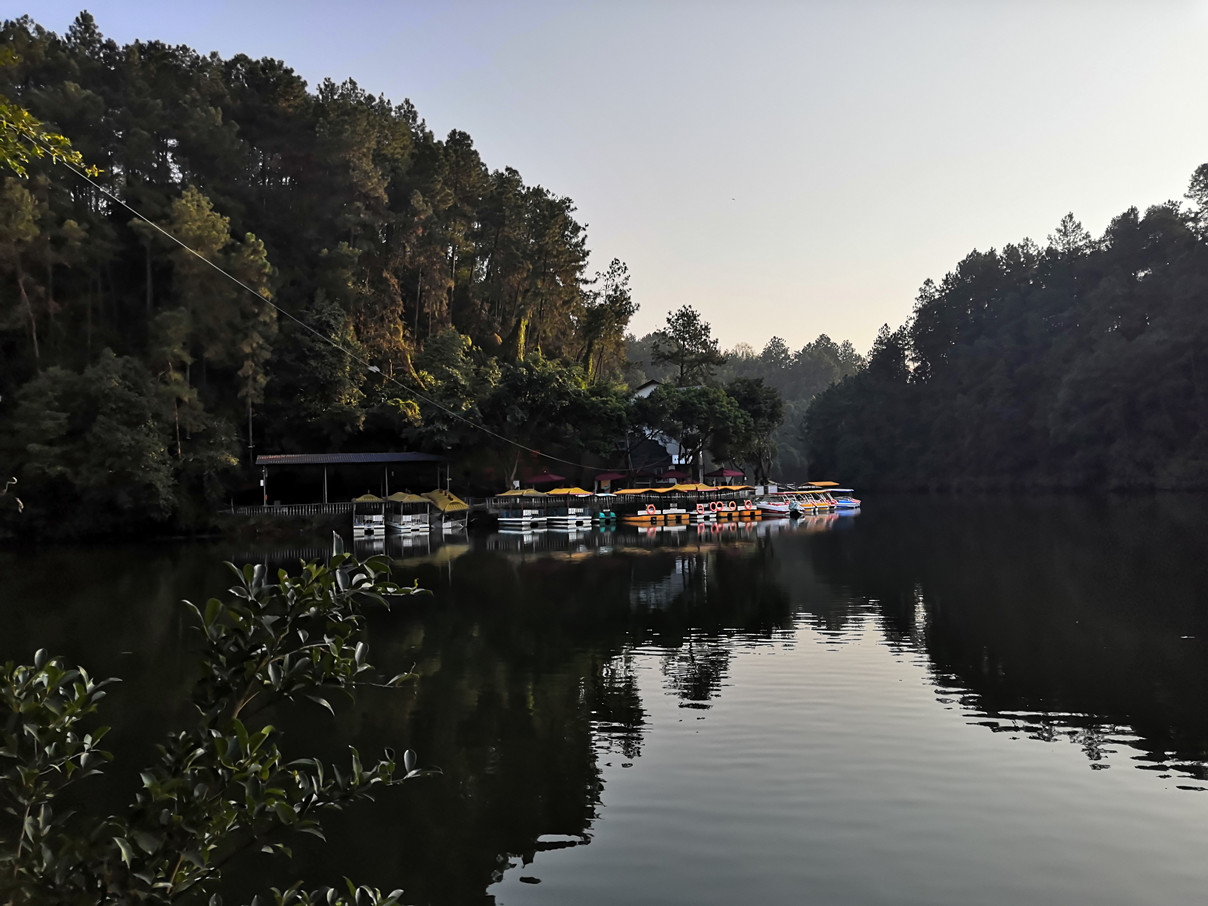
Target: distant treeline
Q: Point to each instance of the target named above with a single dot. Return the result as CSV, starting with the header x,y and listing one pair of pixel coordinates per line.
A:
x,y
1082,364
797,375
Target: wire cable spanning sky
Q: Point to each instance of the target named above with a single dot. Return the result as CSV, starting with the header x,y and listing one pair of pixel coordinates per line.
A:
x,y
409,390
787,168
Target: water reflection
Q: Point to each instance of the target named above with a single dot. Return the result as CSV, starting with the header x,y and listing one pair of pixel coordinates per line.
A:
x,y
1053,619
695,672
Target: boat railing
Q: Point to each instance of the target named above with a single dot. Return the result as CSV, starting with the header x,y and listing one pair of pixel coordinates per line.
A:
x,y
293,509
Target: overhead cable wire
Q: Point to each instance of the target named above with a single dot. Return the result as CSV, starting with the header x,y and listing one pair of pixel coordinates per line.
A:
x,y
368,366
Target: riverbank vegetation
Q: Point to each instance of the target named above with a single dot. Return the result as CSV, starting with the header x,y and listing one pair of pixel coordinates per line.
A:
x,y
221,789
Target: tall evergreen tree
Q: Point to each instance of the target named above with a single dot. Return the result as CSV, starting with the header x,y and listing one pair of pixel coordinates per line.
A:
x,y
687,344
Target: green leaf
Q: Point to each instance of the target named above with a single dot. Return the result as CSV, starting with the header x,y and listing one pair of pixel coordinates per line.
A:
x,y
213,608
240,733
127,851
322,701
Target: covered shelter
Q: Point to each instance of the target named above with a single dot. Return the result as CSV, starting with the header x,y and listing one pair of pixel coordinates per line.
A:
x,y
446,502
604,480
406,512
327,461
725,473
451,510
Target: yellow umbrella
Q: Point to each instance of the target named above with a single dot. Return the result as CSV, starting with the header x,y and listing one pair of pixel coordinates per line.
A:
x,y
522,492
367,498
569,492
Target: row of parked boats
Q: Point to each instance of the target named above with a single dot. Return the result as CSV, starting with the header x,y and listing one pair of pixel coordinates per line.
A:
x,y
571,508
404,513
808,501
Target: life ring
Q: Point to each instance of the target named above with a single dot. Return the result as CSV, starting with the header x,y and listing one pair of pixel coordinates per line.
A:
x,y
713,506
732,506
650,509
700,508
747,505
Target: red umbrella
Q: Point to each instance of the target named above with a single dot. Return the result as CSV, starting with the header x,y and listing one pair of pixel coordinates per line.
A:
x,y
725,473
676,473
547,478
610,476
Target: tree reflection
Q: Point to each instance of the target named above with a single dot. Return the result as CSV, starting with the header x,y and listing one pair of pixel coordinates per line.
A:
x,y
695,671
526,686
617,714
1085,614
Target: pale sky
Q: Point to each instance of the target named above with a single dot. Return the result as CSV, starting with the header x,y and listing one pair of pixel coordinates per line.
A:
x,y
788,168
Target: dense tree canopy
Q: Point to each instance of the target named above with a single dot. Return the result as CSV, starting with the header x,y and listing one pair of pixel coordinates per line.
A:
x,y
795,378
1075,365
416,282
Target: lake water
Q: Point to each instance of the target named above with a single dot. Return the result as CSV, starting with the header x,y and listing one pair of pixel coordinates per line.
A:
x,y
930,702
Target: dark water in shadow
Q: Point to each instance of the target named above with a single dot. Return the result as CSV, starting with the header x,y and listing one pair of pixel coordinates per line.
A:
x,y
930,702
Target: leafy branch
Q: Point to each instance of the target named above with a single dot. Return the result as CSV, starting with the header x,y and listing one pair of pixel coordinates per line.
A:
x,y
23,137
220,788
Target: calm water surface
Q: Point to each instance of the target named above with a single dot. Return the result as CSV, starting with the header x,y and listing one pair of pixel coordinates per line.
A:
x,y
929,702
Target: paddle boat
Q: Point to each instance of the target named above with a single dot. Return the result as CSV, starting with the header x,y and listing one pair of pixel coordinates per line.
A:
x,y
662,514
734,509
406,513
368,516
844,499
567,509
449,512
521,509
785,504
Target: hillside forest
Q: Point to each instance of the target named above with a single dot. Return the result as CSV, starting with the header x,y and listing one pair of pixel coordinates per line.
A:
x,y
377,288
380,288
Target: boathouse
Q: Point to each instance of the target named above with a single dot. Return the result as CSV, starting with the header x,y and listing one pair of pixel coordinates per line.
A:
x,y
307,477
